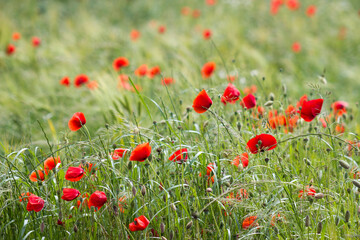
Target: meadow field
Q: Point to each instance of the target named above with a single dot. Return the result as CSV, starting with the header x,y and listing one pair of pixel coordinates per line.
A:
x,y
179,119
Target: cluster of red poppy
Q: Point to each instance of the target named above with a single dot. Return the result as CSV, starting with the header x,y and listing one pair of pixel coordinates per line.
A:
x,y
80,80
292,5
11,48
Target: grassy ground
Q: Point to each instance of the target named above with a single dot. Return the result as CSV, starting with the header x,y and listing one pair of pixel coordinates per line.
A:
x,y
84,37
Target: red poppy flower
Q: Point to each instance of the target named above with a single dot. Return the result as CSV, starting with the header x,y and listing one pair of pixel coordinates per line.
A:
x,y
250,90
154,71
65,81
167,81
50,164
231,78
35,203
210,2
161,29
249,222
84,201
37,175
81,80
244,160
122,204
92,85
290,111
141,152
36,41
141,71
120,62
249,101
16,36
24,197
134,34
76,121
139,224
202,102
208,69
70,194
97,199
301,101
88,167
262,142
10,49
179,156
119,153
230,95
185,11
207,34
339,105
210,168
196,13
311,11
310,191
311,109
74,174
296,47
340,128
275,5
293,4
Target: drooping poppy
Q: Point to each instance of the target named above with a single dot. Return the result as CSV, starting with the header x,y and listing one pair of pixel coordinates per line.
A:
x,y
161,29
77,121
179,156
65,81
139,224
293,4
207,34
249,101
97,199
24,197
296,47
262,142
249,222
208,69
202,102
16,36
134,34
309,191
141,71
81,80
120,62
244,160
167,81
70,194
230,95
119,153
74,174
311,11
10,49
35,203
50,163
35,41
37,175
154,71
141,152
311,109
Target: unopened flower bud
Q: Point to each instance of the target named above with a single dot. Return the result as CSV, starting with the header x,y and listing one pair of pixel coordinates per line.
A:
x,y
344,164
143,190
189,224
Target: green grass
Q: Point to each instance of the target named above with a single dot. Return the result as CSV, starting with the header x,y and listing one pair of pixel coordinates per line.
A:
x,y
86,36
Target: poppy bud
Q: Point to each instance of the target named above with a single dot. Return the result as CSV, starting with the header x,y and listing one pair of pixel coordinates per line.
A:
x,y
162,228
129,165
106,125
136,130
337,220
356,183
344,164
307,161
322,80
42,227
133,191
195,215
348,190
347,216
173,207
209,190
307,221
75,228
319,195
268,103
163,238
143,190
319,228
271,96
171,235
267,160
239,126
189,224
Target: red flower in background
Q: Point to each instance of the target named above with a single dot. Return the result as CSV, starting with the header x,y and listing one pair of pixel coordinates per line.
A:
x,y
311,11
179,156
139,224
202,102
262,142
296,47
50,163
65,81
339,106
249,222
301,101
36,41
74,174
97,199
35,203
249,101
231,94
81,80
275,5
310,191
134,34
37,175
120,62
210,2
185,11
119,153
92,85
77,121
161,29
70,194
167,81
207,34
16,36
141,152
154,71
208,69
10,49
141,71
24,197
311,109
196,13
244,160
293,4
